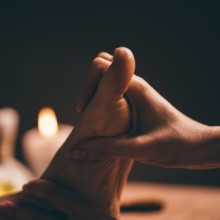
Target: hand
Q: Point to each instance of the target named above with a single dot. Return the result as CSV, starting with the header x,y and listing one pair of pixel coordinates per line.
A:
x,y
56,202
161,134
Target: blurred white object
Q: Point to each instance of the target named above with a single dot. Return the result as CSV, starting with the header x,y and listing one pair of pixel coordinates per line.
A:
x,y
13,174
41,144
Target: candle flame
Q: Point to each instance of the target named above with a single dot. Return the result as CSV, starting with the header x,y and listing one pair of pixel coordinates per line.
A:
x,y
47,122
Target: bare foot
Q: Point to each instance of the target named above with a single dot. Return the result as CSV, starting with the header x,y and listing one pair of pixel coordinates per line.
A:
x,y
107,114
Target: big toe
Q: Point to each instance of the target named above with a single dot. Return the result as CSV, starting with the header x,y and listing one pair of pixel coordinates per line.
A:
x,y
117,78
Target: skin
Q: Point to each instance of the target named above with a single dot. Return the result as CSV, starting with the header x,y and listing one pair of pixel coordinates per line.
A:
x,y
161,134
57,202
99,183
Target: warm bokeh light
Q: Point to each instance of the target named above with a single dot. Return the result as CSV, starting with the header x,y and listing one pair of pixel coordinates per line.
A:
x,y
47,122
6,187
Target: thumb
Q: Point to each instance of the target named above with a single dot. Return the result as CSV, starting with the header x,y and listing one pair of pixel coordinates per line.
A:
x,y
106,148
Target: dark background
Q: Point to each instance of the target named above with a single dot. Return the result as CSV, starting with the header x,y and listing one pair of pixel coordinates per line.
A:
x,y
46,50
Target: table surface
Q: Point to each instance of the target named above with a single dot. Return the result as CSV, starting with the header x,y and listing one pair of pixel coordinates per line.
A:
x,y
178,202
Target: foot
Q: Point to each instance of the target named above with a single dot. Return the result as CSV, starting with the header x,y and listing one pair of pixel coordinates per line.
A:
x,y
107,114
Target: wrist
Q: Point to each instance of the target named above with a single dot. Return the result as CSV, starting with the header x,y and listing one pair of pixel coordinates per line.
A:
x,y
207,152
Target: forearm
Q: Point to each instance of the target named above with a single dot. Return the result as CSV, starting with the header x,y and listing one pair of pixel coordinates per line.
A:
x,y
206,153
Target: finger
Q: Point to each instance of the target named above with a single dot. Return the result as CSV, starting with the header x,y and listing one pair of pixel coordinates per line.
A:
x,y
14,211
137,90
116,80
124,147
98,67
141,94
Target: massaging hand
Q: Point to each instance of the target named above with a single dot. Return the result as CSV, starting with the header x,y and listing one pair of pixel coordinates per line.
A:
x,y
161,134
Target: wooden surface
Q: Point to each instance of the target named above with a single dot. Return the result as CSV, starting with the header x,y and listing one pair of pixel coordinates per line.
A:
x,y
178,202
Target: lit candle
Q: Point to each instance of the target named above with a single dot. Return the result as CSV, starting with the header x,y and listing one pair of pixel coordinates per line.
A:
x,y
40,144
13,174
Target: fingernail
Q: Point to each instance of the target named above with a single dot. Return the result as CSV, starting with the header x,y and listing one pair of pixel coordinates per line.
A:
x,y
122,52
77,155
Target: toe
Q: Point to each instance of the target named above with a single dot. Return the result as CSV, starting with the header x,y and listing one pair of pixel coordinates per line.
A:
x,y
117,78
